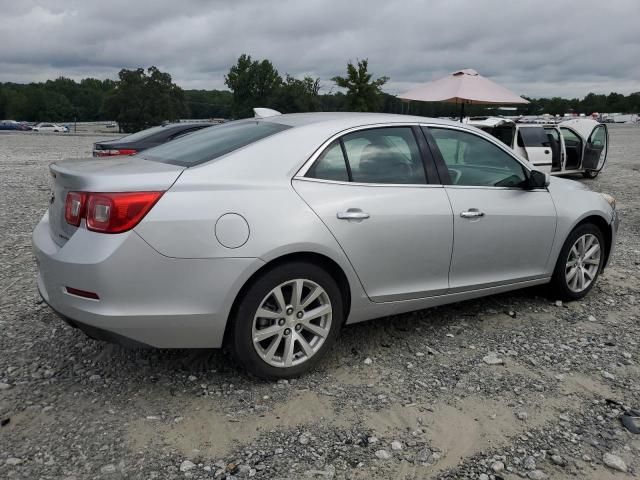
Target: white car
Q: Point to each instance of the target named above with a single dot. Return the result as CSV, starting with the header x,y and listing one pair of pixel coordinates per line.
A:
x,y
50,127
573,146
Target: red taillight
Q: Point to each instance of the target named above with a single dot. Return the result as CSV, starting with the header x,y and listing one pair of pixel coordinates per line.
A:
x,y
112,153
111,212
74,208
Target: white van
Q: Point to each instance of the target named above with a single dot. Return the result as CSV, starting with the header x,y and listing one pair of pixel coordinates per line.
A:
x,y
573,146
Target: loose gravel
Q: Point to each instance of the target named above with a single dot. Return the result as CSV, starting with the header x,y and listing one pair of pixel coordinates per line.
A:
x,y
511,386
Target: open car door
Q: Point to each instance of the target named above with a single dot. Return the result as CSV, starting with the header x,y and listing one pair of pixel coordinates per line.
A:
x,y
595,151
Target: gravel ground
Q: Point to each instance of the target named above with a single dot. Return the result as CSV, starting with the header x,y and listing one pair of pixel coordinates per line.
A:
x,y
510,386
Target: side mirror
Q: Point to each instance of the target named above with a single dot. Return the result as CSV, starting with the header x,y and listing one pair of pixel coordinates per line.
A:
x,y
537,179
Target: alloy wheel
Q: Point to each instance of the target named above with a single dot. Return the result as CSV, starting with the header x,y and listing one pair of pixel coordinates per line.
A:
x,y
583,263
291,323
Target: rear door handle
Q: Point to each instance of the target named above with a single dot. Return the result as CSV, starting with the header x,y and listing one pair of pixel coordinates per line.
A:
x,y
352,214
472,214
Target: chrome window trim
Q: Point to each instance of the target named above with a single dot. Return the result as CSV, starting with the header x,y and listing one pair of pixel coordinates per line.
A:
x,y
302,171
360,184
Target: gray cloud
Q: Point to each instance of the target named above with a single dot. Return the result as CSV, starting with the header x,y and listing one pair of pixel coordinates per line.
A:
x,y
564,48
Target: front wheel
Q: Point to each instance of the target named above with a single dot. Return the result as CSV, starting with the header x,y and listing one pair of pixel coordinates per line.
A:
x,y
286,321
579,263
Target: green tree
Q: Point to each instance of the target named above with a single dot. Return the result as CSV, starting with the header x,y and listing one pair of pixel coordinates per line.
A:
x,y
363,93
140,100
298,95
253,83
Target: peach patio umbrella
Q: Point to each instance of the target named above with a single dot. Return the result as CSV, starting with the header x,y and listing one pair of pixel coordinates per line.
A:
x,y
463,86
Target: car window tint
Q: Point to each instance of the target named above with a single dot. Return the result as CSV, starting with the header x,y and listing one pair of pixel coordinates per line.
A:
x,y
384,155
474,161
213,142
330,165
532,137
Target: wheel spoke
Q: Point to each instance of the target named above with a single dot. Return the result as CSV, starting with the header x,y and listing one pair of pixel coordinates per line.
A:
x,y
592,251
587,273
581,247
268,355
264,313
572,273
315,293
296,293
277,293
308,351
316,312
263,334
592,261
287,355
315,329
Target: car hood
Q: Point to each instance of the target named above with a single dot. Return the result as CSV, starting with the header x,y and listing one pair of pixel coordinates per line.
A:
x,y
565,184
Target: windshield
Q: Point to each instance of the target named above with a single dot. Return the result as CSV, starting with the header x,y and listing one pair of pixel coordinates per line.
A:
x,y
213,142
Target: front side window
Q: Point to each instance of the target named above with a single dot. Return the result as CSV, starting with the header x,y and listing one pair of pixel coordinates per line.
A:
x,y
474,161
388,155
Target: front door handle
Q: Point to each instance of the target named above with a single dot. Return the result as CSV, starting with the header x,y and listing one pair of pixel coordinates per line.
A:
x,y
472,213
352,214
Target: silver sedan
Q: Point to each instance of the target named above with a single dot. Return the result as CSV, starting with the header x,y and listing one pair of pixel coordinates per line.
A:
x,y
267,235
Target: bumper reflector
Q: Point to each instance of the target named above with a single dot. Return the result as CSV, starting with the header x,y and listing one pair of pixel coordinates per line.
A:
x,y
82,293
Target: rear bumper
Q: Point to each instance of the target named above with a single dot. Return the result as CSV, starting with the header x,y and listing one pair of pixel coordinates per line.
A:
x,y
144,297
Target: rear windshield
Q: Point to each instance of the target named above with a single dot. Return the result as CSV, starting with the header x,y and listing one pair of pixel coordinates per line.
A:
x,y
213,142
134,137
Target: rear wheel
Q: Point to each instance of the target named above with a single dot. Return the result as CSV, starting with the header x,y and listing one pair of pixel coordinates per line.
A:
x,y
579,263
590,174
286,321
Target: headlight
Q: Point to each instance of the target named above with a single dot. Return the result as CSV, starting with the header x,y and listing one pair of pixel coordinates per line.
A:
x,y
610,200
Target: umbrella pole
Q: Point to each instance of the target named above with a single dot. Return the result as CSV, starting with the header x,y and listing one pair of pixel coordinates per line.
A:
x,y
462,111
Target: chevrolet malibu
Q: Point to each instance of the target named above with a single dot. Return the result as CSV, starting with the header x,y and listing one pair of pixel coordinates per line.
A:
x,y
267,235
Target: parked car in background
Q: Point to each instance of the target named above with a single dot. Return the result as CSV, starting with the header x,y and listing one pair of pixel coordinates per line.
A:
x,y
151,137
13,125
267,235
49,127
574,146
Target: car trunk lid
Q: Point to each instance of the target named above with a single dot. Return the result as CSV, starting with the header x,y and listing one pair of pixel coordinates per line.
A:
x,y
114,174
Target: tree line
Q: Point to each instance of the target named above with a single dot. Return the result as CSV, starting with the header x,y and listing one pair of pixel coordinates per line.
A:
x,y
140,98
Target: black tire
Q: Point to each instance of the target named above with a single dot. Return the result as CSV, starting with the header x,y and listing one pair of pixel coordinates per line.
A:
x,y
591,174
240,340
559,287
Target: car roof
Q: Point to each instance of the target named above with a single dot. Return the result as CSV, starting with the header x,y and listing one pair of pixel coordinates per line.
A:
x,y
351,119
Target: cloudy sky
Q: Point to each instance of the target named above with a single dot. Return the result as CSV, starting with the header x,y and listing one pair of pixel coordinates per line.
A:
x,y
537,48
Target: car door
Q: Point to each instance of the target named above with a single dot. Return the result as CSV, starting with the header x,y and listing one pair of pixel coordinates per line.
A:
x,y
371,190
595,150
503,231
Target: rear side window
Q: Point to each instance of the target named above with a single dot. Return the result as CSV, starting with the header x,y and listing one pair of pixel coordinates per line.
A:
x,y
380,155
532,137
213,142
330,165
